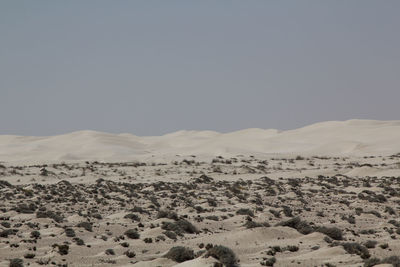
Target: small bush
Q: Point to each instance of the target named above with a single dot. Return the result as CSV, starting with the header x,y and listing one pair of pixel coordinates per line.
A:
x,y
86,225
167,214
370,244
63,249
6,224
333,232
148,240
35,234
170,234
371,262
50,214
79,241
133,234
296,223
394,260
287,211
268,262
276,213
110,251
276,249
212,218
130,253
24,208
43,261
125,244
69,232
356,248
350,219
292,248
29,255
224,254
16,263
6,232
180,227
384,246
252,224
138,209
390,210
245,212
132,217
180,254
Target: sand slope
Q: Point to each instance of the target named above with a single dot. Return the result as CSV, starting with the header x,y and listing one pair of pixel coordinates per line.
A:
x,y
352,137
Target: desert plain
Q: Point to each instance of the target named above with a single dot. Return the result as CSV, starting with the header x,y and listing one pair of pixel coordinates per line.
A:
x,y
324,195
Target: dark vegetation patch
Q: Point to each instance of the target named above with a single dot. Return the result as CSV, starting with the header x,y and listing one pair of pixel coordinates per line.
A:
x,y
180,254
224,254
325,204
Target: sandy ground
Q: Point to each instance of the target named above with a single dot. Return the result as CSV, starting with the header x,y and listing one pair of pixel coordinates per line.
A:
x,y
322,195
269,211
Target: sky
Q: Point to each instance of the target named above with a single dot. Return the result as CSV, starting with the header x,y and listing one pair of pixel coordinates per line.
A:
x,y
155,67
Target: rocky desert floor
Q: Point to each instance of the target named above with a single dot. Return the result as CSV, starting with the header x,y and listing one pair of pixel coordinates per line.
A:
x,y
239,211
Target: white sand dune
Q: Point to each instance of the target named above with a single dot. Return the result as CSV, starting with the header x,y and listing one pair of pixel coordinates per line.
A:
x,y
352,137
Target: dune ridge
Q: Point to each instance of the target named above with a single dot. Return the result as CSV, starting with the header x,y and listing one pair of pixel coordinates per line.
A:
x,y
351,137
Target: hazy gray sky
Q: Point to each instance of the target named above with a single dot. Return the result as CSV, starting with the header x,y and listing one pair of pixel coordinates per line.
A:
x,y
153,67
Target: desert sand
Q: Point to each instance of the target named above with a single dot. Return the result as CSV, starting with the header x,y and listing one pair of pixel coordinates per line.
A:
x,y
322,195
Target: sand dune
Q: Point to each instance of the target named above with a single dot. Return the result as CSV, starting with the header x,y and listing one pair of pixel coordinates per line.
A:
x,y
353,137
